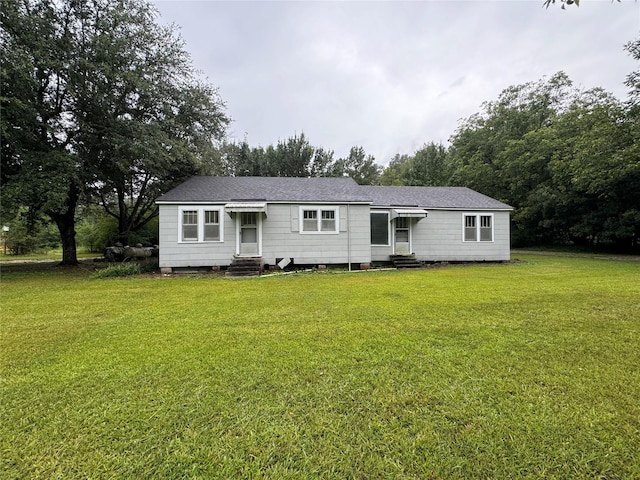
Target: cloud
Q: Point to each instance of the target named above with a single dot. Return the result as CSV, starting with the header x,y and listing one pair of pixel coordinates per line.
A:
x,y
391,76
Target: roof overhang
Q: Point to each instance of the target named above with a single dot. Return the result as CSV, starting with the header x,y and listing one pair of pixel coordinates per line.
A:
x,y
418,213
257,207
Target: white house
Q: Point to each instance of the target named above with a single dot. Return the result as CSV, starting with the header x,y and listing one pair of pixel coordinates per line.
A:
x,y
212,221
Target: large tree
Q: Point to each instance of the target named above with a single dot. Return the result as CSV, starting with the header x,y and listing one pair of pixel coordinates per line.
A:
x,y
359,166
566,159
430,165
99,103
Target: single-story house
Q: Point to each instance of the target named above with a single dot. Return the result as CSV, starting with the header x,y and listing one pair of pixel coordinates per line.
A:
x,y
210,221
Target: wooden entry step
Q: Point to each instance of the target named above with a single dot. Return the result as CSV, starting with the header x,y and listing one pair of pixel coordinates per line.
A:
x,y
245,267
405,261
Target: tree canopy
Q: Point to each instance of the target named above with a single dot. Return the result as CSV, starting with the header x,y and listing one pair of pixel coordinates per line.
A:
x,y
100,103
101,106
296,157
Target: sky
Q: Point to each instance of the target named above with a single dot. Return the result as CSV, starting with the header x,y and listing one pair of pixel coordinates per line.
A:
x,y
391,76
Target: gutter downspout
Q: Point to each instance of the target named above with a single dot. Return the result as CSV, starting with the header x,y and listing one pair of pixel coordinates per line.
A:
x,y
349,236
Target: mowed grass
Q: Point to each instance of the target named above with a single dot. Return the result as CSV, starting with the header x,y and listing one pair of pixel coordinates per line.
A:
x,y
525,370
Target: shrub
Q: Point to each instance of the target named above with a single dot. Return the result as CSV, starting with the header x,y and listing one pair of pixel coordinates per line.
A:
x,y
149,265
118,270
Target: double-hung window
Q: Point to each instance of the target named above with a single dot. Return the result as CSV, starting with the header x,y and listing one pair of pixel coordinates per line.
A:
x,y
319,220
189,225
200,224
477,227
309,220
211,225
328,220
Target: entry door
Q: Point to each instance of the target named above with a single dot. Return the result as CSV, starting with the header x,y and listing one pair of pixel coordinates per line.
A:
x,y
402,236
248,233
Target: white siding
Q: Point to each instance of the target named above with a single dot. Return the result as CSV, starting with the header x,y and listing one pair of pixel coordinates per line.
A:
x,y
280,239
439,238
197,254
435,238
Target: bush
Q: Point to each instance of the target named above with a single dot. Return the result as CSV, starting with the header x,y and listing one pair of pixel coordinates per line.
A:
x,y
118,270
149,265
96,231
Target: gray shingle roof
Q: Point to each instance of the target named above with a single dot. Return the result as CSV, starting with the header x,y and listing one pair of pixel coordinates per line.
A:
x,y
431,197
270,189
325,189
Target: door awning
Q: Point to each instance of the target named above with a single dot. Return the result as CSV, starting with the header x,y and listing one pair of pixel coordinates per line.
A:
x,y
409,213
260,207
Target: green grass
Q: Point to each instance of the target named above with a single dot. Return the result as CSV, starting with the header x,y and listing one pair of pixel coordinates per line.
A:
x,y
527,370
54,254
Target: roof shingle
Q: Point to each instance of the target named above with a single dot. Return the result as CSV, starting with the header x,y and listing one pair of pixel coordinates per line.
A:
x,y
323,190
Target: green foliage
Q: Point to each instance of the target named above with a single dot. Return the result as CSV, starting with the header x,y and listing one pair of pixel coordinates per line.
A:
x,y
28,234
149,265
563,3
117,270
96,230
431,165
359,166
296,157
633,79
565,159
526,370
99,102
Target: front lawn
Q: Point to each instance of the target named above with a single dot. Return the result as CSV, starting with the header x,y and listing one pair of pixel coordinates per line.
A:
x,y
526,370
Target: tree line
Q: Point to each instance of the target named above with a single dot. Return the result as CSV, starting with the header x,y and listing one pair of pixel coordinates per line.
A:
x,y
566,159
102,111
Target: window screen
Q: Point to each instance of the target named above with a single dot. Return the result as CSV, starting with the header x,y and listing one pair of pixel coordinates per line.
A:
x,y
380,228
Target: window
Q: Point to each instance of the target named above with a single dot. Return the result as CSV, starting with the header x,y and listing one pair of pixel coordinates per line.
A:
x,y
211,225
328,223
319,220
402,230
310,221
486,230
478,228
190,226
470,228
379,228
198,224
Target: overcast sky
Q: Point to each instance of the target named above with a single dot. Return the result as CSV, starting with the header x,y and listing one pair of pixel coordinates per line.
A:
x,y
391,76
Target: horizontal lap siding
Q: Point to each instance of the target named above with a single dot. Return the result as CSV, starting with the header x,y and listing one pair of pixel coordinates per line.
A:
x,y
381,253
435,238
280,238
202,254
439,238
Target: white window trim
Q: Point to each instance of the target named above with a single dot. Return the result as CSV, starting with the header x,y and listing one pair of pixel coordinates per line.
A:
x,y
478,216
201,209
319,209
388,244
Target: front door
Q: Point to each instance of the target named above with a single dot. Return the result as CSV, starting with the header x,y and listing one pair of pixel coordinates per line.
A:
x,y
402,236
248,234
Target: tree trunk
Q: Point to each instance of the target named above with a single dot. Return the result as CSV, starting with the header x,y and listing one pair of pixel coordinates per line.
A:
x,y
66,223
66,227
